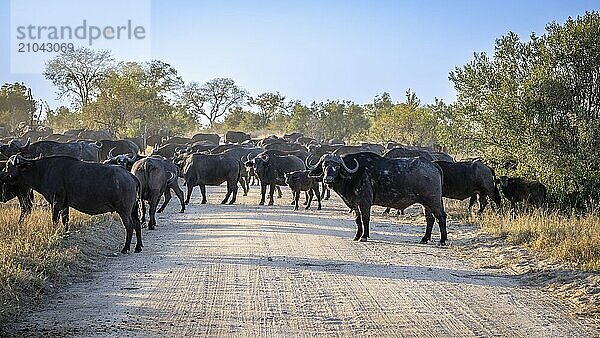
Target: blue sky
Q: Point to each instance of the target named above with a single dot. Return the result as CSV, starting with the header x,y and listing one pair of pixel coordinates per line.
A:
x,y
318,50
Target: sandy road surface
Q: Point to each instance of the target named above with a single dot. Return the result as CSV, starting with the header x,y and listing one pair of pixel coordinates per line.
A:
x,y
269,271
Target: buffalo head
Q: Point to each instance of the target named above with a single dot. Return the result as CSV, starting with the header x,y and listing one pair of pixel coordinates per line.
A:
x,y
330,166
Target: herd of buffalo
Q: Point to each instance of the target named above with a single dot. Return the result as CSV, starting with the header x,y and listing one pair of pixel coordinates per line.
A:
x,y
93,173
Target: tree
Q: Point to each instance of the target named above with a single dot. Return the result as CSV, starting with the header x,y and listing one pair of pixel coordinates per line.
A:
x,y
17,106
134,100
537,103
269,105
77,74
214,99
407,122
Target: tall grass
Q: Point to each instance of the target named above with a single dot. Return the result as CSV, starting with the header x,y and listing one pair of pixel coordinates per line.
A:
x,y
573,239
35,253
565,238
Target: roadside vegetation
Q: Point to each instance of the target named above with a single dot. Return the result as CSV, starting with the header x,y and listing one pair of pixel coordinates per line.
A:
x,y
36,255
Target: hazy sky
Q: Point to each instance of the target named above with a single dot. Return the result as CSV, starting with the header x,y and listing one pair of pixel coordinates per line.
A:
x,y
315,50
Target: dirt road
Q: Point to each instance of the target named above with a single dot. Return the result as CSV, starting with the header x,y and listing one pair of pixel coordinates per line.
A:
x,y
245,270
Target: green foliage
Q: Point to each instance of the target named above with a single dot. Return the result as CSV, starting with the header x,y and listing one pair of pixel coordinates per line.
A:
x,y
408,122
270,106
78,74
537,103
212,100
17,106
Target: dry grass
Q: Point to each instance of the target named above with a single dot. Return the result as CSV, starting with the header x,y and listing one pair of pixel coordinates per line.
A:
x,y
37,253
572,239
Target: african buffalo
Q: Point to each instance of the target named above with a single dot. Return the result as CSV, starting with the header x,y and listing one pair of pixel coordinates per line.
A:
x,y
300,181
84,151
91,188
270,170
203,169
403,152
517,190
9,191
366,179
117,147
236,137
469,179
212,138
154,182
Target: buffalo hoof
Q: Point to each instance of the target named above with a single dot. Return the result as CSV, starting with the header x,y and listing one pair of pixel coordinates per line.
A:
x,y
319,207
245,194
124,251
187,202
203,202
296,208
150,227
270,203
306,207
363,239
261,203
230,203
137,249
443,243
181,211
424,241
356,238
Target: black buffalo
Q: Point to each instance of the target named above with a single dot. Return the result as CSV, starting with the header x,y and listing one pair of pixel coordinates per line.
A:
x,y
300,181
9,191
212,138
84,151
270,170
236,137
403,152
470,179
117,147
168,150
366,179
91,188
155,181
171,170
204,169
517,190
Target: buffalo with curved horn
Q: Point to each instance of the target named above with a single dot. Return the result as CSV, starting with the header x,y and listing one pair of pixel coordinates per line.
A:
x,y
375,180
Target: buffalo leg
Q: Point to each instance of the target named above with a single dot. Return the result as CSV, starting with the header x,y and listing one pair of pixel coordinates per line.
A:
x,y
263,191
430,220
179,195
190,187
310,194
143,211
472,201
203,192
137,226
243,183
64,215
278,191
440,215
365,213
359,226
128,224
296,198
234,190
167,195
318,196
26,204
152,210
272,192
482,202
306,194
